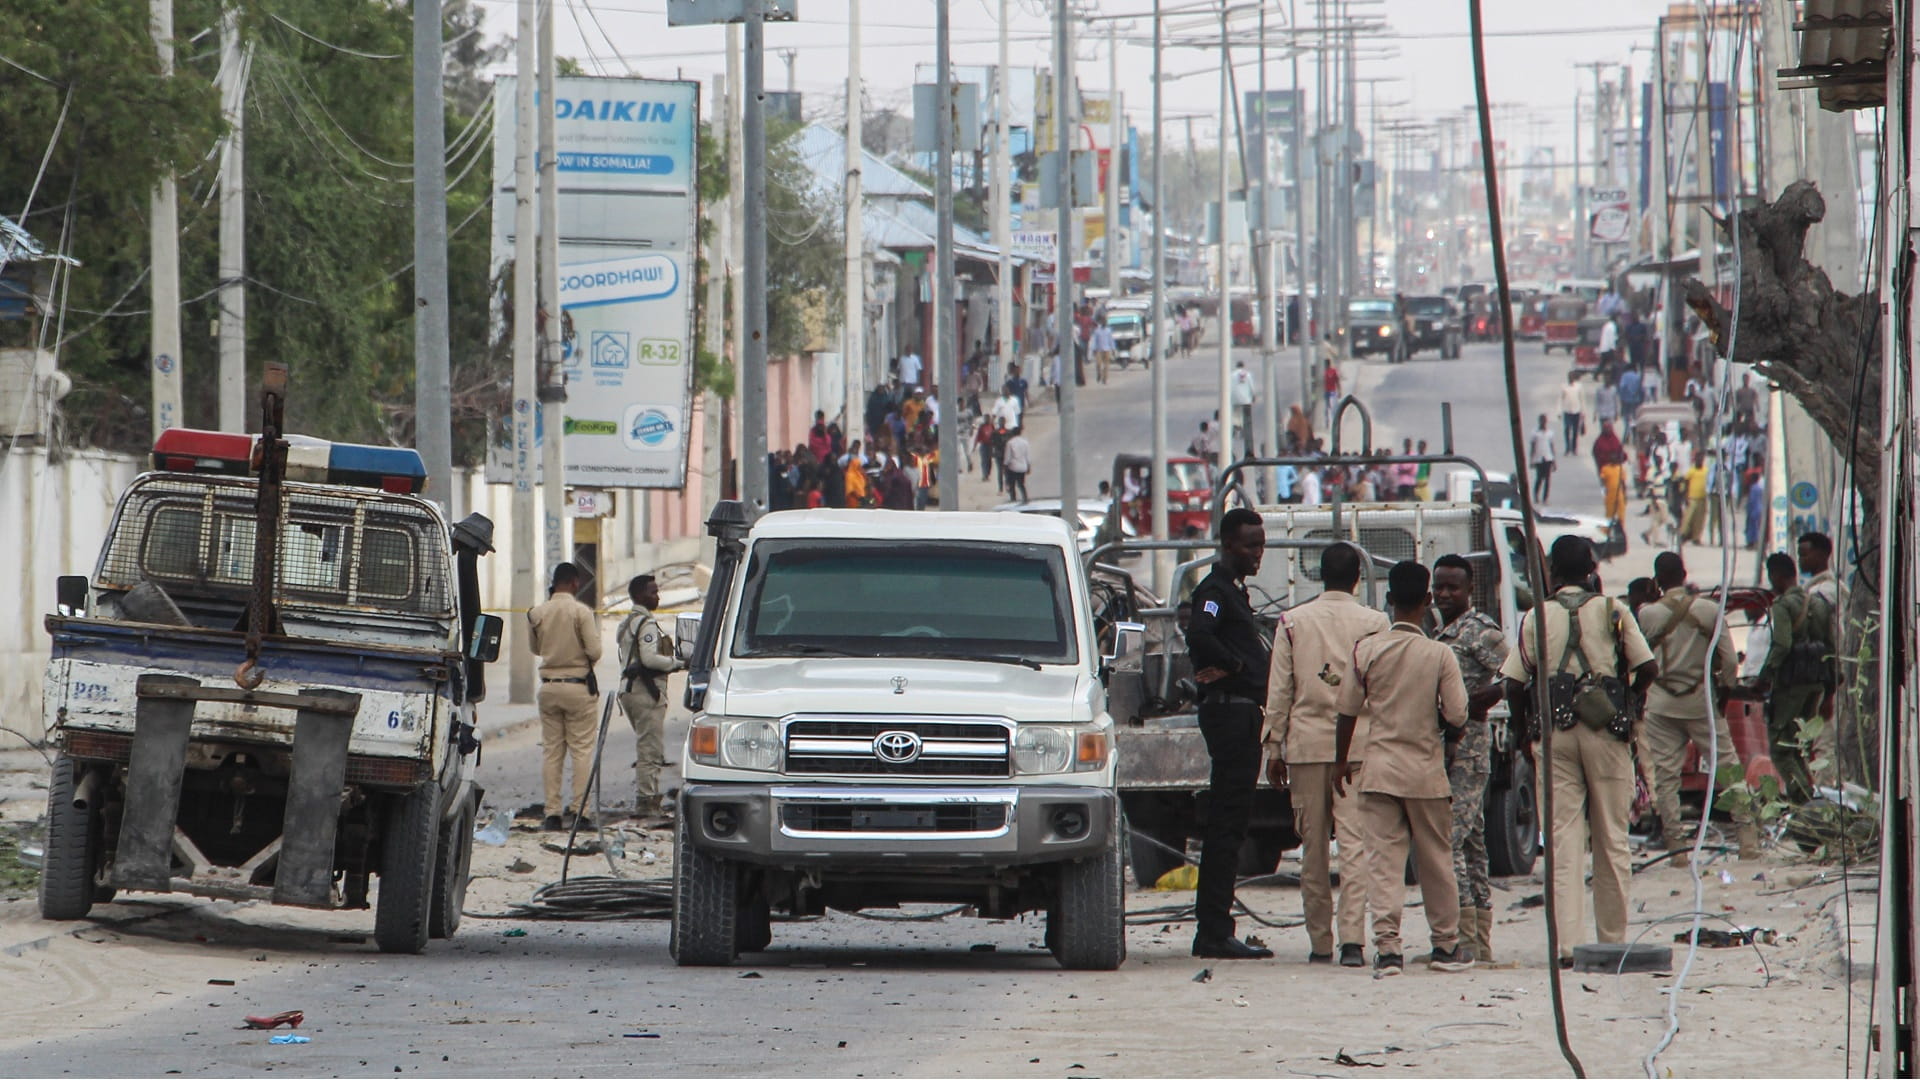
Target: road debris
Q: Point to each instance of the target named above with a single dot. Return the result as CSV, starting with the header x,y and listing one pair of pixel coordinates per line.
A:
x,y
289,1040
1205,975
292,1018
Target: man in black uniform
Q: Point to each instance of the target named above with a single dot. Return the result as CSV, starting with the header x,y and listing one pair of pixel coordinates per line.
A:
x,y
1230,660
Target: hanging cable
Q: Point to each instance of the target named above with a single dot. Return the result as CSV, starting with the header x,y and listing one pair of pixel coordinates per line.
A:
x,y
1535,562
336,48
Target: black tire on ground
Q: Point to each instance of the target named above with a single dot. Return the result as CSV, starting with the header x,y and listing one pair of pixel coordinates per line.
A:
x,y
1148,838
706,904
452,867
66,869
1260,852
1087,924
403,909
753,931
1513,823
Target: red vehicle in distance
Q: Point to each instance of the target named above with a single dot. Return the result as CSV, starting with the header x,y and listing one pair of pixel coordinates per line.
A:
x,y
1189,494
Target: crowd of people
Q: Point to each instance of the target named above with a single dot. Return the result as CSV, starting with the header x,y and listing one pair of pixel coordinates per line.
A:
x,y
1378,725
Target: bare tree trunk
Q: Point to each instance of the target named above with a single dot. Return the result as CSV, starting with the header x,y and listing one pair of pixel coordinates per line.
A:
x,y
1824,347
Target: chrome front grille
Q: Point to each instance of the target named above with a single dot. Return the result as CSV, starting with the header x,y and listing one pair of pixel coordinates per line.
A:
x,y
847,747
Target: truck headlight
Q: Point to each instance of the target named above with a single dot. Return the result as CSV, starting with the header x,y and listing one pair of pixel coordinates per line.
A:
x,y
1386,331
1042,749
750,744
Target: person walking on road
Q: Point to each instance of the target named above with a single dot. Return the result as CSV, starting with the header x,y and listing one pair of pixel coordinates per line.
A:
x,y
1408,689
1572,414
1102,345
1016,461
1693,525
1610,457
1678,628
565,634
1241,391
1480,648
1330,376
1230,659
646,659
1799,672
1312,661
1540,459
1592,755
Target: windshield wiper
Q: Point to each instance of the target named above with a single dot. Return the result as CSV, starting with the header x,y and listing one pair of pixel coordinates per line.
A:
x,y
991,658
809,649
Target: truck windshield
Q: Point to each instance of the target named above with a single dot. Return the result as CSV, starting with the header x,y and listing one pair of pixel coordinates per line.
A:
x,y
874,598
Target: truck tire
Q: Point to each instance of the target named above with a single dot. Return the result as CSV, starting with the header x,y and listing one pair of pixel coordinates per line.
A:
x,y
1513,823
706,904
1259,853
403,911
66,870
1087,926
452,871
753,929
1150,834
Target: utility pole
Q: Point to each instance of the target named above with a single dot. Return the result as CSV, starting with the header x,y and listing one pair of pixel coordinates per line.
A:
x,y
432,366
1350,233
1582,256
164,236
1157,485
1002,202
1269,309
553,373
1223,428
1662,173
788,56
853,336
1300,223
753,363
946,364
714,453
737,258
520,669
1583,241
1115,128
233,226
1063,127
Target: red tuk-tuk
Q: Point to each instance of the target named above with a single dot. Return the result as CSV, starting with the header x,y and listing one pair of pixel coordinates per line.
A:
x,y
1533,317
1561,326
1189,494
1245,330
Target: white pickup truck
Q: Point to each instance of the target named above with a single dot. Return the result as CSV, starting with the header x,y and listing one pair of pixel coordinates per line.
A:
x,y
896,708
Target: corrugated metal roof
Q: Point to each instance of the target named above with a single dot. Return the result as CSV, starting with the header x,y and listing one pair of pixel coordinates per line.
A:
x,y
897,212
824,151
1843,52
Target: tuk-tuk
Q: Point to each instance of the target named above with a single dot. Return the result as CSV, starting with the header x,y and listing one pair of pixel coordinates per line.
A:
x,y
1189,492
1130,336
1533,317
1561,327
1586,354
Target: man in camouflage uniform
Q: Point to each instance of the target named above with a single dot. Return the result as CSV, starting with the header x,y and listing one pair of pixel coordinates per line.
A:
x,y
646,659
1481,647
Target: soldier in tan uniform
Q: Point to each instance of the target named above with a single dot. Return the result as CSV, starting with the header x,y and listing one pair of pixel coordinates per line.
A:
x,y
1408,688
566,637
1591,768
1312,659
1678,627
646,659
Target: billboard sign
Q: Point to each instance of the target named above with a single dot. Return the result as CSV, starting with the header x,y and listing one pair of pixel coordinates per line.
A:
x,y
1609,216
628,208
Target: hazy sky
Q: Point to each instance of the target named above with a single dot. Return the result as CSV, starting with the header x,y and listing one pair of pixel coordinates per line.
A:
x,y
1531,51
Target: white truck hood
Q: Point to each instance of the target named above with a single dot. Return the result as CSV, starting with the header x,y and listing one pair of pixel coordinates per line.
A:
x,y
776,688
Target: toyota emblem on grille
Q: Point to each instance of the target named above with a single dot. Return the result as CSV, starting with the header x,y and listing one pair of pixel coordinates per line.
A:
x,y
897,747
899,684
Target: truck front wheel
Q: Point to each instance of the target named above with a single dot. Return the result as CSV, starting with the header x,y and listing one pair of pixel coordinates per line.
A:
x,y
452,870
403,914
706,904
1087,927
1513,823
73,846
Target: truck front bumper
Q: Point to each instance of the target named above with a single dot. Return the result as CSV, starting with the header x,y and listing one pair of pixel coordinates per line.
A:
x,y
865,826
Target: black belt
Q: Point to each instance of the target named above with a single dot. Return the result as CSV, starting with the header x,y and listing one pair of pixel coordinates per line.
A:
x,y
544,680
1227,699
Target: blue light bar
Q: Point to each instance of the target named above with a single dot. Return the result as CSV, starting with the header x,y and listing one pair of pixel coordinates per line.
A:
x,y
390,468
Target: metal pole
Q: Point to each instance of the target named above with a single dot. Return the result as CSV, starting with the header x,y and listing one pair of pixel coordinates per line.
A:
x,y
1223,427
233,227
520,670
853,335
1114,130
1661,170
1350,231
432,374
1300,226
164,235
553,375
946,362
1064,96
737,252
753,363
1003,203
1582,257
714,434
1269,307
1157,484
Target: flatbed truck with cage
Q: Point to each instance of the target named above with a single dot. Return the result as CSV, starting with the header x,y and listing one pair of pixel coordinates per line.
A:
x,y
266,689
1163,762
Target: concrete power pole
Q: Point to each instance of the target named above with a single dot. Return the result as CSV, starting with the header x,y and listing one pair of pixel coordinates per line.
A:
x,y
1223,428
1157,485
1300,224
1269,308
713,443
234,62
432,365
853,337
520,666
1002,204
553,374
946,364
737,248
1115,127
1063,128
753,362
164,235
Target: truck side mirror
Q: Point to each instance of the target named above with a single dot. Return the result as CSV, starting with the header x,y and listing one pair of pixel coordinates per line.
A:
x,y
1127,639
487,630
70,594
686,630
